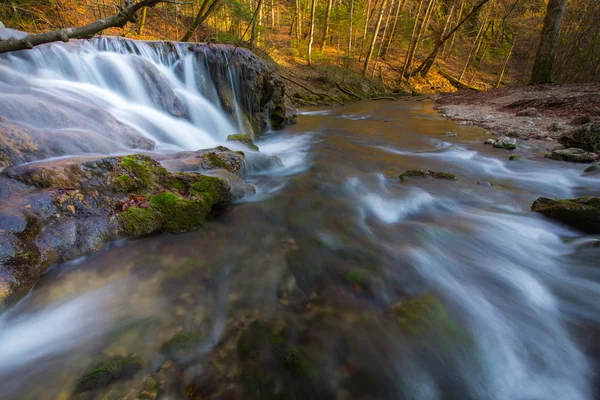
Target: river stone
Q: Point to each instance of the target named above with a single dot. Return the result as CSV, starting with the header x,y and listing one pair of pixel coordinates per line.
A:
x,y
504,142
586,137
572,155
202,160
421,174
490,141
57,210
592,170
245,140
582,213
529,112
581,120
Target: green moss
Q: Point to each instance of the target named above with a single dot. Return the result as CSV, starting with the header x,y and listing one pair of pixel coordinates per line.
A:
x,y
245,139
421,174
181,341
107,371
209,187
514,157
138,221
216,161
178,214
423,314
299,364
582,213
357,276
124,184
145,171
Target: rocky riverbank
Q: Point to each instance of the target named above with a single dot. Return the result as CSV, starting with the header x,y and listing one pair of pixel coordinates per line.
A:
x,y
57,210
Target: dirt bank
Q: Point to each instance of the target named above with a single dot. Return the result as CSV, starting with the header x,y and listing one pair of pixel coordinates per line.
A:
x,y
500,110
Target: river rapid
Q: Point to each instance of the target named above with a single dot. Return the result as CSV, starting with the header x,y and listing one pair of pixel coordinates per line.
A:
x,y
414,289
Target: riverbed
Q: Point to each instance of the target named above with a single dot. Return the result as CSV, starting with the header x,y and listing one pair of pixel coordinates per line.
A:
x,y
413,289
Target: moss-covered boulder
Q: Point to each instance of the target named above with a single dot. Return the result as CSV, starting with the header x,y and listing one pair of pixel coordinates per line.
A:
x,y
244,139
422,174
572,155
582,213
57,210
586,137
108,370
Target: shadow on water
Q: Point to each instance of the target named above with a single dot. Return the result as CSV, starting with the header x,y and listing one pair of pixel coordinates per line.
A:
x,y
338,280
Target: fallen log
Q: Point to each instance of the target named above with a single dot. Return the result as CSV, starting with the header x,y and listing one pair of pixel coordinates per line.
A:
x,y
312,91
459,84
126,14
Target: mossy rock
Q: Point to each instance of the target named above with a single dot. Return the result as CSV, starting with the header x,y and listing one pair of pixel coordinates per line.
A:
x,y
299,364
358,276
424,314
582,213
244,139
422,174
178,214
514,157
137,172
107,371
138,221
182,341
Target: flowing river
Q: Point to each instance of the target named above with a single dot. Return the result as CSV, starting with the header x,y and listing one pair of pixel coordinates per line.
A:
x,y
414,289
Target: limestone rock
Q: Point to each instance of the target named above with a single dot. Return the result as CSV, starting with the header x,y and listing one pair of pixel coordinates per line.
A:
x,y
586,137
572,155
582,213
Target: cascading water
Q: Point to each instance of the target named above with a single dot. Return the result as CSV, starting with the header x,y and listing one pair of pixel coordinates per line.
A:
x,y
377,288
164,94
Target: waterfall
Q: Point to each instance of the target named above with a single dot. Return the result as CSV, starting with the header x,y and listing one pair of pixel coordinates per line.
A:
x,y
112,95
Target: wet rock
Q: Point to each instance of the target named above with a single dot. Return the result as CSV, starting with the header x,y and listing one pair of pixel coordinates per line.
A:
x,y
555,127
514,158
581,120
51,131
203,160
243,139
486,184
529,112
490,141
592,170
108,370
581,213
504,142
572,155
515,134
421,174
450,134
55,211
586,137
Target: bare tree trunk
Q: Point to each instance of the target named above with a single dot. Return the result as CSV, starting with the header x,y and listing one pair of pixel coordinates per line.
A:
x,y
546,52
367,20
126,14
142,21
412,40
298,21
326,27
425,66
387,45
351,33
448,50
311,34
383,37
373,41
501,75
476,44
204,12
422,29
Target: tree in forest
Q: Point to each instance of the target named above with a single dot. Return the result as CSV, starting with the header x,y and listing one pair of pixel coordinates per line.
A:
x,y
311,31
546,52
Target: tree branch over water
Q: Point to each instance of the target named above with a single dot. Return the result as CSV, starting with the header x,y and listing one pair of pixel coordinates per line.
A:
x,y
126,14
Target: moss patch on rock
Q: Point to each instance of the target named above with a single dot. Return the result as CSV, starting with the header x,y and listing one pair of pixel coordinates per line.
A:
x,y
181,341
581,213
138,221
422,174
108,370
244,139
178,214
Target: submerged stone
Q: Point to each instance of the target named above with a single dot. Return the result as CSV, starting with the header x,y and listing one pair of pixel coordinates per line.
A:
x,y
581,213
107,371
422,173
504,142
244,139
